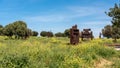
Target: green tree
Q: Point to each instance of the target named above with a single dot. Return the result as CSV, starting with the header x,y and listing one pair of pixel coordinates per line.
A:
x,y
1,30
9,30
50,34
46,34
28,33
115,33
43,33
34,33
114,13
67,32
18,29
107,31
59,34
1,26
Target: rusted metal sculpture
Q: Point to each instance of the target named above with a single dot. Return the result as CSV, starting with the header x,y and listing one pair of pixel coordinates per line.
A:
x,y
86,33
74,35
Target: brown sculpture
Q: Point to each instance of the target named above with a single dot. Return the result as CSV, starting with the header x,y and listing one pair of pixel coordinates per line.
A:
x,y
74,35
86,33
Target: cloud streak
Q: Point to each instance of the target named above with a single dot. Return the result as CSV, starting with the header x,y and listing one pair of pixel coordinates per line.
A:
x,y
48,18
70,13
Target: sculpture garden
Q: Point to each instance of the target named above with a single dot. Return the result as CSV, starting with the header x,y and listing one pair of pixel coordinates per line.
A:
x,y
72,46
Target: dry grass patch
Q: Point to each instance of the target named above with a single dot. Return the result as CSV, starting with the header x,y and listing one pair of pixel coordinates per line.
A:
x,y
103,63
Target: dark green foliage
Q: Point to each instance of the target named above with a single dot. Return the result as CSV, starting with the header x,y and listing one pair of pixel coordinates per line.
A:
x,y
59,34
34,33
115,14
50,34
67,32
28,33
107,31
46,34
115,33
43,33
9,30
18,29
1,26
1,30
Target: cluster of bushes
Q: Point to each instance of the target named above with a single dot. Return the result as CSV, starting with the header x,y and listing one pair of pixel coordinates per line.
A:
x,y
46,34
66,33
18,29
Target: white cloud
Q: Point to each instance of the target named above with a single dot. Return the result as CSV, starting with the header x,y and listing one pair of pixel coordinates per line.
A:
x,y
46,18
69,14
91,23
86,10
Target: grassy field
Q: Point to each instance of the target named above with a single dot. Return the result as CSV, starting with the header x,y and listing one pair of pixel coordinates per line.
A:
x,y
39,52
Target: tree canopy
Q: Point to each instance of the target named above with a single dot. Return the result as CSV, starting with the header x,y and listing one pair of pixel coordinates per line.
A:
x,y
18,29
46,34
114,13
59,34
1,30
107,31
67,32
34,33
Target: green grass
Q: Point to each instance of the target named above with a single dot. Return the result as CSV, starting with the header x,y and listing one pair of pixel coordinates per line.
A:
x,y
39,52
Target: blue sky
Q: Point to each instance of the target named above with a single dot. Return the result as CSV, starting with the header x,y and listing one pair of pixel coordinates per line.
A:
x,y
57,15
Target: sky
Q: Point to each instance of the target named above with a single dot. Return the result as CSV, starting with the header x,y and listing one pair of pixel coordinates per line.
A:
x,y
57,15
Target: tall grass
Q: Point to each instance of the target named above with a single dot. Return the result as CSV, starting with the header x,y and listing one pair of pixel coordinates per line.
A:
x,y
40,52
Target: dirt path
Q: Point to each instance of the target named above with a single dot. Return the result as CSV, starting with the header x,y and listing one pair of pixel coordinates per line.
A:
x,y
103,63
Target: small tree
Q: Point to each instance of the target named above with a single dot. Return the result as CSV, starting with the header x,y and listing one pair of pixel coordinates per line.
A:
x,y
107,31
115,33
59,34
43,33
115,14
46,34
34,33
1,30
50,34
67,32
20,29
